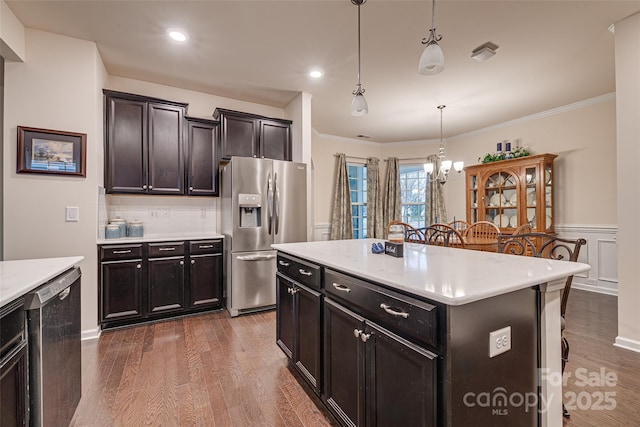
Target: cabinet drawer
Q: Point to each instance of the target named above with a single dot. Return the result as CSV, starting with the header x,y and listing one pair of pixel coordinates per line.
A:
x,y
401,314
205,246
116,252
300,271
12,326
166,249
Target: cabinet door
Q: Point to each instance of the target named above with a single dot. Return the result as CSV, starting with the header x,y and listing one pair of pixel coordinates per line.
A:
x,y
126,149
166,284
166,170
202,167
205,280
402,381
121,290
284,315
307,355
344,364
275,140
13,389
238,136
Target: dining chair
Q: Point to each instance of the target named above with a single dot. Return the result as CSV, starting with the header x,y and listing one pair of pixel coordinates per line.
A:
x,y
455,236
411,234
484,229
523,229
438,236
459,225
544,245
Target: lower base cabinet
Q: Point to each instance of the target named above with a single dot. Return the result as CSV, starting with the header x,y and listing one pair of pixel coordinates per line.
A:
x,y
374,377
14,389
149,281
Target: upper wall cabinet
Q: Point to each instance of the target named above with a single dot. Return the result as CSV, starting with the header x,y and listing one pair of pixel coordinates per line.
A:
x,y
202,141
511,193
143,144
249,135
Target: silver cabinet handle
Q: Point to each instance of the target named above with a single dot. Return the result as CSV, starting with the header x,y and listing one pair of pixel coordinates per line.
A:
x,y
205,246
393,312
151,187
357,333
128,251
190,188
181,262
167,249
365,337
193,261
64,293
292,290
144,187
284,264
305,272
340,287
138,266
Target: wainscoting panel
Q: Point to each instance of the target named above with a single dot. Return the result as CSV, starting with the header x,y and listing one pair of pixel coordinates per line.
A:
x,y
321,231
601,253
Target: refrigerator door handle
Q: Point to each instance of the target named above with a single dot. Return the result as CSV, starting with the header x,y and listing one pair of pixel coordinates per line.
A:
x,y
255,257
276,204
269,203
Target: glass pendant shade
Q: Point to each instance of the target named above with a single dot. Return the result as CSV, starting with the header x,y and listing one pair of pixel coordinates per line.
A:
x,y
446,165
428,168
432,60
359,105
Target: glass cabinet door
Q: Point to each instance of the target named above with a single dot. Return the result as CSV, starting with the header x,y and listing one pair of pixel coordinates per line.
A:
x,y
548,196
501,199
473,198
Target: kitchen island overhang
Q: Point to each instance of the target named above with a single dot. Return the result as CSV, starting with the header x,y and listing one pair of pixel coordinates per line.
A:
x,y
466,286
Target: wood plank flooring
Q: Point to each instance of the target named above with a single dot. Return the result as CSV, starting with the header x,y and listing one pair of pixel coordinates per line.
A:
x,y
212,370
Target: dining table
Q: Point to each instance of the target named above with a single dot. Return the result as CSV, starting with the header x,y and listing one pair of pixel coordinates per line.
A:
x,y
481,243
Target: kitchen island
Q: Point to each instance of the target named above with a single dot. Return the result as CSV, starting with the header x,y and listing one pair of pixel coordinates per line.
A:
x,y
442,336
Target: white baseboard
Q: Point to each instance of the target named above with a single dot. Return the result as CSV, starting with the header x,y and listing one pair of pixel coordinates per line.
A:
x,y
90,334
591,288
627,344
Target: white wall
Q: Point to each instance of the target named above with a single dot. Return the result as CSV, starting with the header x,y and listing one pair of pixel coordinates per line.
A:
x,y
57,88
627,48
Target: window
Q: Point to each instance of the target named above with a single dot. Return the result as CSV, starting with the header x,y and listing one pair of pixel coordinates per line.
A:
x,y
413,185
358,188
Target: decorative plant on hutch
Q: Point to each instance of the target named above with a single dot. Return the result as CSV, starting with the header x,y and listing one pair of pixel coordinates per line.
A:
x,y
506,154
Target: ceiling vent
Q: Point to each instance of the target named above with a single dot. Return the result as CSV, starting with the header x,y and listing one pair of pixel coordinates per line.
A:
x,y
484,52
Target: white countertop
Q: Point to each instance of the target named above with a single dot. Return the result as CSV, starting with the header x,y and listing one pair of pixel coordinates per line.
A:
x,y
160,238
447,275
19,277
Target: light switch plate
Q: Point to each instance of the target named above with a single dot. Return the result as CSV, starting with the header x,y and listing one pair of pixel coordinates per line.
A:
x,y
72,214
499,341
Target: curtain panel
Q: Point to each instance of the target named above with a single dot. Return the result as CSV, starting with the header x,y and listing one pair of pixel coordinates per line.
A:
x,y
392,197
341,220
435,210
375,219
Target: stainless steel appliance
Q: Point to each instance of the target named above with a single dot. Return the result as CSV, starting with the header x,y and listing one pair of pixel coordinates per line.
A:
x,y
53,320
263,202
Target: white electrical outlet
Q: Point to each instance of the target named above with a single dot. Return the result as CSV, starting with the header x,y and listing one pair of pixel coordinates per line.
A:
x,y
499,341
72,214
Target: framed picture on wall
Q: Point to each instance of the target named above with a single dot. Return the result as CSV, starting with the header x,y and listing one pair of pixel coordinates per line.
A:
x,y
52,152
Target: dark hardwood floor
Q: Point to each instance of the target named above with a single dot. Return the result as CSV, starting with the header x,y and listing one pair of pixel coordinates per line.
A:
x,y
212,370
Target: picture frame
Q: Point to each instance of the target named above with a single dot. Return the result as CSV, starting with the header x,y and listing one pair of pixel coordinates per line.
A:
x,y
49,151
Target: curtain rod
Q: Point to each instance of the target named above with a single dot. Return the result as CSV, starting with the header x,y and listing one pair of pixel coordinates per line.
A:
x,y
386,160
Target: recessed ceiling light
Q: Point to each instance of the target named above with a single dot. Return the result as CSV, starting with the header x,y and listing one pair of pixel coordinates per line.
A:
x,y
177,35
315,74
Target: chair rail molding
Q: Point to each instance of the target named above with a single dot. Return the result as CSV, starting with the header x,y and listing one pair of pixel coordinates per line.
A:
x,y
600,252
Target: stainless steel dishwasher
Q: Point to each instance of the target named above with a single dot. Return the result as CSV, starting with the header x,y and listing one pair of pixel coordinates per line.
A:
x,y
53,319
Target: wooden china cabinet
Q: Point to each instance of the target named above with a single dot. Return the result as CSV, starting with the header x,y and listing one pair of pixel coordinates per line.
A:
x,y
513,192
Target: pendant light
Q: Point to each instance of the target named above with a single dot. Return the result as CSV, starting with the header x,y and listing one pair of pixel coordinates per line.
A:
x,y
432,59
359,105
445,165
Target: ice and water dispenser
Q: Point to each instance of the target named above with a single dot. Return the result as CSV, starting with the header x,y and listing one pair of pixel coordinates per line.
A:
x,y
250,210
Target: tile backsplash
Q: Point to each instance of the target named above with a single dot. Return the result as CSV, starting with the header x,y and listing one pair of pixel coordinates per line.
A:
x,y
162,215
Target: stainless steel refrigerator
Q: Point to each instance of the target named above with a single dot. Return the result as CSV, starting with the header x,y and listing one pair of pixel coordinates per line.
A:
x,y
263,201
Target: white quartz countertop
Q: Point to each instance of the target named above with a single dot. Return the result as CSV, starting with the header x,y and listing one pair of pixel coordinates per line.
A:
x,y
161,238
19,277
447,275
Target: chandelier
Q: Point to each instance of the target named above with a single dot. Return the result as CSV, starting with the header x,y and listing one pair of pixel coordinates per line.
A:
x,y
444,165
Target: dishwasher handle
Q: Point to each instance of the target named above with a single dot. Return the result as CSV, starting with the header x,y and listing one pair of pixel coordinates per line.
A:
x,y
56,288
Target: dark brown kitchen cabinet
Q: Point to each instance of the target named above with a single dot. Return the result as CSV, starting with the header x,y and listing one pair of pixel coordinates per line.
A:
x,y
14,389
205,274
121,283
143,144
202,170
149,281
250,135
298,323
374,377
